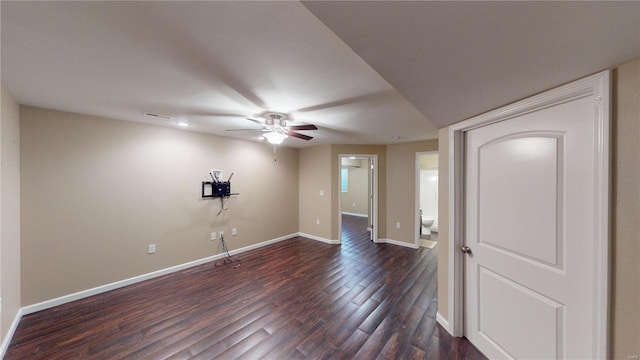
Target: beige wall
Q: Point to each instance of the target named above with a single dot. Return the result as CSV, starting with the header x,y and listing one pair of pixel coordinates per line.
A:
x,y
9,211
315,176
356,199
625,220
396,165
401,188
96,192
625,267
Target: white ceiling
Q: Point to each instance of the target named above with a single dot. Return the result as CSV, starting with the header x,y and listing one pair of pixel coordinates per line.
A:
x,y
453,59
212,63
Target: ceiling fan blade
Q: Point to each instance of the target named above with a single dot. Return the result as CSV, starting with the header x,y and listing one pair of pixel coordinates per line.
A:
x,y
245,130
299,136
367,98
255,120
303,127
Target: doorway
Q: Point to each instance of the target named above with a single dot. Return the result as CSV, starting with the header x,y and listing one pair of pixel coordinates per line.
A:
x,y
357,197
426,205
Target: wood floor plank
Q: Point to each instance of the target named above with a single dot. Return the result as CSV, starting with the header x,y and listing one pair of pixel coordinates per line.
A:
x,y
296,299
245,344
377,340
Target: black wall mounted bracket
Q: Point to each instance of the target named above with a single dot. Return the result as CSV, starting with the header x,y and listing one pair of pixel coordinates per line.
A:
x,y
217,188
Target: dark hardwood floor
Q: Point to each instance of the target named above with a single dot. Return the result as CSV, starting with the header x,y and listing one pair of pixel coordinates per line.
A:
x,y
297,299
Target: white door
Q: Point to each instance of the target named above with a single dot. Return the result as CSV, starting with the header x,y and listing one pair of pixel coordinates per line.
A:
x,y
530,196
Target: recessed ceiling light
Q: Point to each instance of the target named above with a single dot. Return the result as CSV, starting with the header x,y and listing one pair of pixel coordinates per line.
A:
x,y
182,123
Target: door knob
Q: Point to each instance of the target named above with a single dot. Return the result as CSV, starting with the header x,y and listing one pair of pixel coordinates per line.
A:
x,y
465,249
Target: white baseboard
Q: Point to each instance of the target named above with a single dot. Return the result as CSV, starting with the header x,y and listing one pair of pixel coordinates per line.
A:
x,y
399,243
136,279
262,244
318,238
355,214
443,322
9,335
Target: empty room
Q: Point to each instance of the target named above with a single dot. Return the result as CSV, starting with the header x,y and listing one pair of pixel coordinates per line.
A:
x,y
320,180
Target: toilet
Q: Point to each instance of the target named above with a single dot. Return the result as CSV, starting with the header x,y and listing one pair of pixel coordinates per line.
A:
x,y
427,223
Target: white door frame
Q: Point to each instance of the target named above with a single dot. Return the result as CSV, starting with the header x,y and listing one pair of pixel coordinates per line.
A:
x,y
597,86
416,216
374,210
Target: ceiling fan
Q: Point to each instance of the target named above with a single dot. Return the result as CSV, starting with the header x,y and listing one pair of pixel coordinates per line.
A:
x,y
275,128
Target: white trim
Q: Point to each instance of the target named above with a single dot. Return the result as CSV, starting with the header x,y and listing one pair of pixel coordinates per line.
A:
x,y
455,268
597,85
136,279
262,244
442,321
354,214
396,242
602,225
9,335
318,238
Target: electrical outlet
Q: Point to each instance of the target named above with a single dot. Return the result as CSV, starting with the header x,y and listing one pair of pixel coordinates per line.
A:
x,y
398,225
151,249
234,231
217,173
354,204
213,235
317,221
221,234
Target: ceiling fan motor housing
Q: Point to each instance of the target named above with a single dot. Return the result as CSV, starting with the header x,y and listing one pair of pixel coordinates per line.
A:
x,y
276,123
277,119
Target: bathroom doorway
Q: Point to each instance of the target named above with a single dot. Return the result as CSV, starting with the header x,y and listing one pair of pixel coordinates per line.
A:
x,y
426,228
357,199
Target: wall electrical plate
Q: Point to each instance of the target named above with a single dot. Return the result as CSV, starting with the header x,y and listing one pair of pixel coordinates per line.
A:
x,y
217,173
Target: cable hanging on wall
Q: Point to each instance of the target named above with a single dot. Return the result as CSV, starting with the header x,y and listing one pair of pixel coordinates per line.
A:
x,y
216,188
227,259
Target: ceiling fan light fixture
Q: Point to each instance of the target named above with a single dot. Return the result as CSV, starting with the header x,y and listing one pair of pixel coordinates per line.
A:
x,y
275,137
